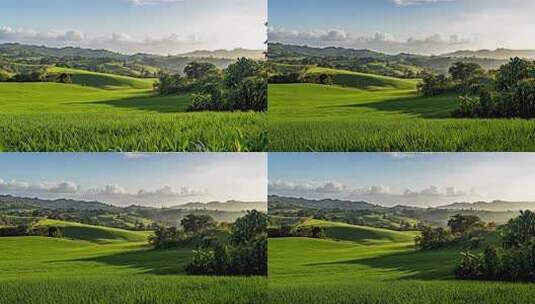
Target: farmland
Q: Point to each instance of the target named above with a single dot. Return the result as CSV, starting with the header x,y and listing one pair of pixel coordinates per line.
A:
x,y
356,264
375,113
111,266
106,112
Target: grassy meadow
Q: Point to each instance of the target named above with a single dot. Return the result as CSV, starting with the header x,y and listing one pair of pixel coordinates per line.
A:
x,y
364,112
357,264
103,265
105,112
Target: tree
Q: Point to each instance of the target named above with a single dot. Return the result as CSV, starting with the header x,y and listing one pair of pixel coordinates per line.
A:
x,y
197,224
240,70
513,72
519,230
248,227
465,73
463,224
250,94
198,70
524,98
4,76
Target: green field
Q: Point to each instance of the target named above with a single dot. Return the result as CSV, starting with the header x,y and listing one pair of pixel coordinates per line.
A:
x,y
104,112
100,265
349,267
364,112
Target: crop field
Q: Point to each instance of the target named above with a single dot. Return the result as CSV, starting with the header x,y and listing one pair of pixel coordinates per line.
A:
x,y
351,267
104,112
370,113
100,265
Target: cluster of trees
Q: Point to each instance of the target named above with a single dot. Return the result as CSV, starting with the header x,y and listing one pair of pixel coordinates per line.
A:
x,y
514,260
508,92
39,75
301,77
243,253
27,230
242,86
461,228
296,231
195,229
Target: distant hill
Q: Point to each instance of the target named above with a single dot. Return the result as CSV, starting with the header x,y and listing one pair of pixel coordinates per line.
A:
x,y
22,50
226,54
364,80
321,204
225,206
284,50
499,54
491,206
13,202
364,60
360,234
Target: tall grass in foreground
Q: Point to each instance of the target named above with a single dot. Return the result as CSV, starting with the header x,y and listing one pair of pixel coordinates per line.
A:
x,y
183,132
369,135
134,290
405,292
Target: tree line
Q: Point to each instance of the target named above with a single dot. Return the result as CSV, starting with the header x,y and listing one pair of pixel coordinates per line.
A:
x,y
508,92
242,86
225,249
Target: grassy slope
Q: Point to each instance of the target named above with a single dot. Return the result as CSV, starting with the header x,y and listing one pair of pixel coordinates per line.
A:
x,y
102,112
385,116
364,81
329,271
360,234
104,265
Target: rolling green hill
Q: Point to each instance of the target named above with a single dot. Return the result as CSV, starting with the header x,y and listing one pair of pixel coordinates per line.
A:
x,y
360,234
95,234
104,81
104,112
364,81
363,270
98,265
328,118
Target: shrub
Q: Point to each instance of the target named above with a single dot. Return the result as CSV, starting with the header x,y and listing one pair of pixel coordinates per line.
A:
x,y
250,94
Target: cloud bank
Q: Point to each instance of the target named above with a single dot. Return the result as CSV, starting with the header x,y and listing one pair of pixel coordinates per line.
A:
x,y
381,194
380,41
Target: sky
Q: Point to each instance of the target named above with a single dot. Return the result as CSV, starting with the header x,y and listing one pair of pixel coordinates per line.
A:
x,y
412,179
133,26
157,180
410,26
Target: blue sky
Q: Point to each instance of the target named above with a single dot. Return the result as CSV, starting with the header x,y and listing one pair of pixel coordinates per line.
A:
x,y
147,179
130,26
393,26
400,178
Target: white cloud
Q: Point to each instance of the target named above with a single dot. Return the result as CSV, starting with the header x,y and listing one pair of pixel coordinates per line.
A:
x,y
416,2
381,194
148,2
64,187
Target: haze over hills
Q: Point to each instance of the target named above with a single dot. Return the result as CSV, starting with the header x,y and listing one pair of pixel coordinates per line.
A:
x,y
226,54
498,54
24,50
14,202
491,206
364,58
225,206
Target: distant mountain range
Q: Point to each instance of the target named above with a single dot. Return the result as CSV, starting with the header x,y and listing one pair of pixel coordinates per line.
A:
x,y
494,206
22,50
491,206
225,206
499,54
14,202
321,204
226,54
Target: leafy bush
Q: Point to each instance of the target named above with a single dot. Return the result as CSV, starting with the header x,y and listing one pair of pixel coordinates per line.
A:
x,y
514,261
433,85
244,254
250,94
434,238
